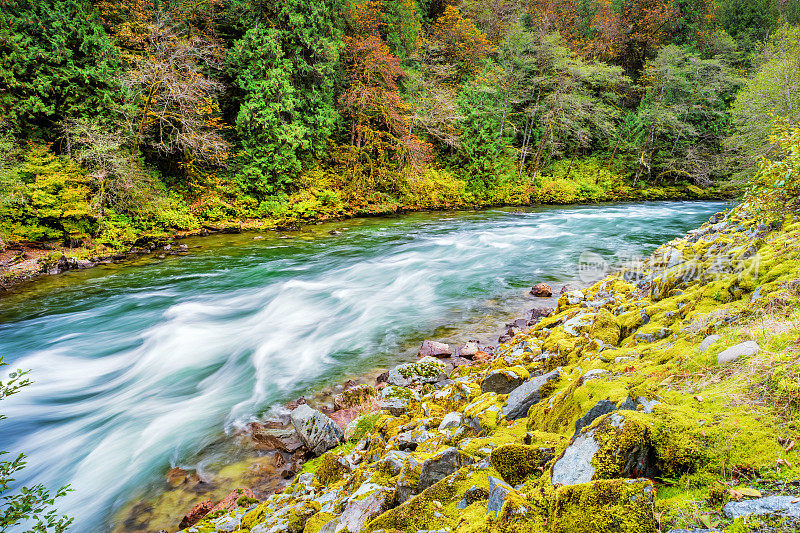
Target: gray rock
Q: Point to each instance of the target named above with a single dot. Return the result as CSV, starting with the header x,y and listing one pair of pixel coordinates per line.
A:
x,y
662,333
451,420
318,432
770,505
575,465
735,352
228,524
599,409
498,493
394,461
594,374
434,349
501,381
469,349
440,466
409,440
707,342
331,526
359,510
523,397
426,370
408,480
473,494
396,399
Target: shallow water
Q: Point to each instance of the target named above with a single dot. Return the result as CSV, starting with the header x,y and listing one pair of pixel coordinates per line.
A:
x,y
138,367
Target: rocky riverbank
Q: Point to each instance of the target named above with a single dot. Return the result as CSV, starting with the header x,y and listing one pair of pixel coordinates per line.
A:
x,y
662,398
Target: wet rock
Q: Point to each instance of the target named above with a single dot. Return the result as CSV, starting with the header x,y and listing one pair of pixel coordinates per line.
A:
x,y
343,417
786,506
382,378
735,352
538,313
469,349
707,342
434,349
542,290
285,440
196,514
440,466
530,392
229,502
396,399
426,370
566,288
318,432
505,380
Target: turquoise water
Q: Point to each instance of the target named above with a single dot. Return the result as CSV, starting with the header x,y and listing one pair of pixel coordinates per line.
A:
x,y
138,367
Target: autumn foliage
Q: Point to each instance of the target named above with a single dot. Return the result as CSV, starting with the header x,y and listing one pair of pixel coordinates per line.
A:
x,y
462,42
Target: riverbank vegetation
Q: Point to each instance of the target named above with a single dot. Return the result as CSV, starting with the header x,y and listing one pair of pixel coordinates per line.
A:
x,y
131,118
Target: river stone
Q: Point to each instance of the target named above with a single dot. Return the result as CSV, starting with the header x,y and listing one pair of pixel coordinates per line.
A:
x,y
542,290
575,465
469,349
735,352
523,397
503,381
707,342
318,432
435,349
778,505
440,466
426,370
285,440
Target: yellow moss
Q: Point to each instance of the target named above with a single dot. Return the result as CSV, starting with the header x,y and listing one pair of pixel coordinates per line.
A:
x,y
612,506
606,328
515,462
316,522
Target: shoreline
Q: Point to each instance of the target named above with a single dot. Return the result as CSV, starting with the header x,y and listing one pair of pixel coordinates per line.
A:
x,y
38,262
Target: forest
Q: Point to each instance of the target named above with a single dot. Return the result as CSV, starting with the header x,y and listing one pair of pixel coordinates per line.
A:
x,y
123,119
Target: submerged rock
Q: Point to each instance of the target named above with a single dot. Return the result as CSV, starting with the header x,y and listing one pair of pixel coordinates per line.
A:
x,y
318,432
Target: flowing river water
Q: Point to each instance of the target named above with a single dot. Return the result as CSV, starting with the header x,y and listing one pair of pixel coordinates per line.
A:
x,y
140,366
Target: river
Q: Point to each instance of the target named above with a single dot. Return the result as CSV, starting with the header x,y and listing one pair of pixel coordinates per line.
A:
x,y
139,366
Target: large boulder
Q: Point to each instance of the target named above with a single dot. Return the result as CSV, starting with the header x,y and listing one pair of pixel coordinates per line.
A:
x,y
530,392
426,370
617,446
607,506
318,432
367,502
504,380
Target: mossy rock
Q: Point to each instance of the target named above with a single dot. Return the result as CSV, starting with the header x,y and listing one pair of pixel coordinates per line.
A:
x,y
331,469
607,506
317,522
515,462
